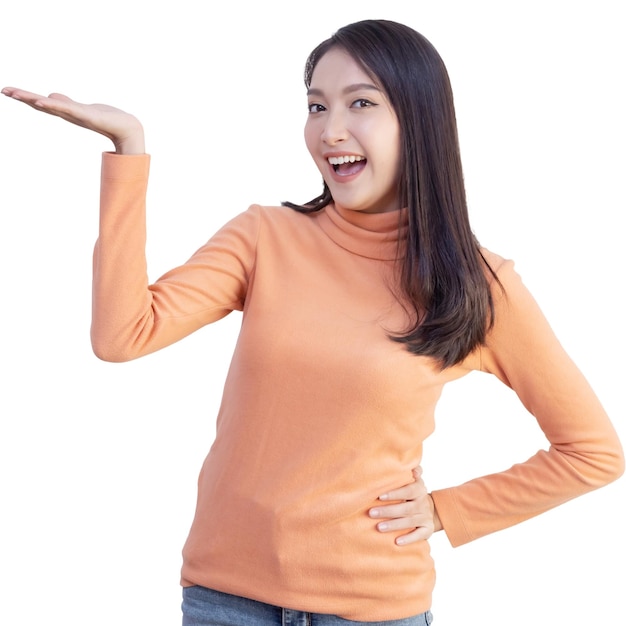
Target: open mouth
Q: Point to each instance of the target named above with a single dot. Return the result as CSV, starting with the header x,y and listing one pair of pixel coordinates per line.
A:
x,y
347,165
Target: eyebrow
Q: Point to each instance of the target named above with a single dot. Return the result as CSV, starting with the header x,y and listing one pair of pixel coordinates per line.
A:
x,y
349,89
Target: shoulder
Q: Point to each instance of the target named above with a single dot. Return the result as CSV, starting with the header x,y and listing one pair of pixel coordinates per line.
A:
x,y
505,285
496,264
258,217
520,332
281,222
501,274
278,214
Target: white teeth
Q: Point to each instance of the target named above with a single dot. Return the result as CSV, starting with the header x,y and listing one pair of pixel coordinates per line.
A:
x,y
345,159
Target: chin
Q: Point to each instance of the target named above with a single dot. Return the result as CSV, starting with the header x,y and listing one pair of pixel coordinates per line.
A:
x,y
351,204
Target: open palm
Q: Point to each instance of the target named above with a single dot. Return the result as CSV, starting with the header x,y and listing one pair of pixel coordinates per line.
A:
x,y
124,129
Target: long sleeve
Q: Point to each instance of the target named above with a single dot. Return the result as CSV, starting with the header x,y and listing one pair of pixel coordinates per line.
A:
x,y
314,371
131,317
584,452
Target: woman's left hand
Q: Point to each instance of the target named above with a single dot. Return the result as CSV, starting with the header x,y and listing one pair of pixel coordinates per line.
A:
x,y
414,510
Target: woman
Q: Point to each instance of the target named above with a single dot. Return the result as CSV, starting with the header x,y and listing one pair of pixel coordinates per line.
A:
x,y
357,308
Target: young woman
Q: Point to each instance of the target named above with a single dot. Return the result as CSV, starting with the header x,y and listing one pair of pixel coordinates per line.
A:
x,y
357,308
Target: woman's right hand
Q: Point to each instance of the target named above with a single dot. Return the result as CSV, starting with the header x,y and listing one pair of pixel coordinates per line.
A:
x,y
123,129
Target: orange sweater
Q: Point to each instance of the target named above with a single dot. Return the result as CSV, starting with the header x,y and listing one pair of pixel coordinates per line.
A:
x,y
321,412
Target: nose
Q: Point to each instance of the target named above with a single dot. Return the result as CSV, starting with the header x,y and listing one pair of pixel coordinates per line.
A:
x,y
335,129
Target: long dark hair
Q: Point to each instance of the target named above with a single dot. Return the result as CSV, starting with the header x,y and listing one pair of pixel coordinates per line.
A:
x,y
441,270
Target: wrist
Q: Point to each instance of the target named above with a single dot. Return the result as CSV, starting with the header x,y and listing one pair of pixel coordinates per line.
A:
x,y
436,520
131,145
133,142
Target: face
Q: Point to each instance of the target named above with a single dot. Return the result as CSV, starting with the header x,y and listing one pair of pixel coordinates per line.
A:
x,y
353,135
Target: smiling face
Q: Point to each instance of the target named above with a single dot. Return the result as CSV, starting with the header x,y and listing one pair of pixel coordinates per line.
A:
x,y
353,135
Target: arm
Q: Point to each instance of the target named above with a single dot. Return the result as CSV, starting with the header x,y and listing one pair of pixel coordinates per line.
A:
x,y
584,452
131,317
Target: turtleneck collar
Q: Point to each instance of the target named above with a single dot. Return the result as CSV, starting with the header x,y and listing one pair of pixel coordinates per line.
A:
x,y
371,235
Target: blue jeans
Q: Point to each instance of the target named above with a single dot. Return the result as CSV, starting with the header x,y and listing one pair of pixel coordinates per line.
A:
x,y
205,607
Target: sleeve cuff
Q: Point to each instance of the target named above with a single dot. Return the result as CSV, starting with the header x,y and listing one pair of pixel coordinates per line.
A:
x,y
125,167
451,518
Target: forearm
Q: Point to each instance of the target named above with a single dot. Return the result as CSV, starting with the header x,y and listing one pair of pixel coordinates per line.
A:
x,y
584,451
120,301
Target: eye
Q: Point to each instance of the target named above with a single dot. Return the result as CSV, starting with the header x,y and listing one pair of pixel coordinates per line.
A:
x,y
316,108
362,103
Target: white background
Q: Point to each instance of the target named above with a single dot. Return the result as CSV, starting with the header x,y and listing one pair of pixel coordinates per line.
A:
x,y
98,461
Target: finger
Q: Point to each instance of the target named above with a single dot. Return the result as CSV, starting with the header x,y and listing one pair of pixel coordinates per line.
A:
x,y
423,523
21,94
60,96
409,508
62,106
58,103
419,534
408,522
419,528
8,91
407,492
55,104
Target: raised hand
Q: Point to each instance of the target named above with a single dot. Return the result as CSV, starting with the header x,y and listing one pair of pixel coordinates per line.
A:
x,y
123,129
413,510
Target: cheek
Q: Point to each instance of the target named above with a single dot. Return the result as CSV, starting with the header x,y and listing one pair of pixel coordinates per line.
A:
x,y
309,137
